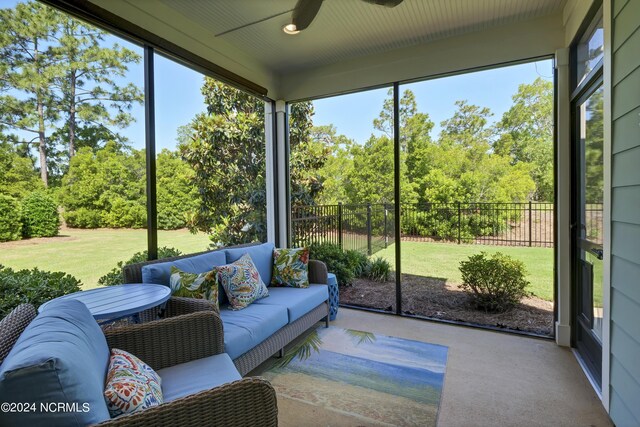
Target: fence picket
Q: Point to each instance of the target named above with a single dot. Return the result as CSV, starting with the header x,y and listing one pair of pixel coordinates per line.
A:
x,y
368,228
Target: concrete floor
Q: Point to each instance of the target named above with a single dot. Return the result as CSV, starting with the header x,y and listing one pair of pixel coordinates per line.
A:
x,y
492,378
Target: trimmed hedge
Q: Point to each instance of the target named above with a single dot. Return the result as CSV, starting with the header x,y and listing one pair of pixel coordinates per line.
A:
x,y
40,216
10,224
33,286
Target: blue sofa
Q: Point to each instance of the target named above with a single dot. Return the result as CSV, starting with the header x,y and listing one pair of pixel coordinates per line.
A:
x,y
255,333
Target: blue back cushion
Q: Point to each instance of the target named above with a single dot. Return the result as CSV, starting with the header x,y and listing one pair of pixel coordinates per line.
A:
x,y
161,272
62,356
262,256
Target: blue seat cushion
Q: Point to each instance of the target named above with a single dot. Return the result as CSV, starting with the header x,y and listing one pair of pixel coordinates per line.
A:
x,y
61,357
198,375
246,328
298,301
160,273
261,255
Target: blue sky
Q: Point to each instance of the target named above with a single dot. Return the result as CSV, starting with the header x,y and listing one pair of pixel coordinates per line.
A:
x,y
178,97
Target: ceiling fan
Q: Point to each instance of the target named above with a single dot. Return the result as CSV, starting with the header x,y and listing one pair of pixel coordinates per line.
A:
x,y
303,15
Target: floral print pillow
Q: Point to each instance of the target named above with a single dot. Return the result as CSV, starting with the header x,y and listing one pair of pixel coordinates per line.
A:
x,y
291,268
241,282
193,285
131,384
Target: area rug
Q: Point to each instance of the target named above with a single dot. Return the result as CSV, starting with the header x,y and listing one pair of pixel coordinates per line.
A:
x,y
336,376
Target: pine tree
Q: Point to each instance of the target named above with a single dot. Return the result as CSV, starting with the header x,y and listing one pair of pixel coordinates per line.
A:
x,y
28,102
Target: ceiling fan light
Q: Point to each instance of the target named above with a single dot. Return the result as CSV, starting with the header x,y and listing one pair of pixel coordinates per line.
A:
x,y
290,29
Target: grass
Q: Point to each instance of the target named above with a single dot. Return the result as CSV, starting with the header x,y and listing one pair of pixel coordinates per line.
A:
x,y
89,254
443,259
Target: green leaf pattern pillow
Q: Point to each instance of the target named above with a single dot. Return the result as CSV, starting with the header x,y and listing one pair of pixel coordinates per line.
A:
x,y
291,267
193,285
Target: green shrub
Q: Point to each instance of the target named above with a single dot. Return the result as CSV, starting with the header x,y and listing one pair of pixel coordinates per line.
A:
x,y
10,224
40,216
496,283
357,262
114,277
83,218
379,270
337,261
33,286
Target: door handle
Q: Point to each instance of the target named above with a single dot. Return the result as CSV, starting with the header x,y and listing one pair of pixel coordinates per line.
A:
x,y
599,253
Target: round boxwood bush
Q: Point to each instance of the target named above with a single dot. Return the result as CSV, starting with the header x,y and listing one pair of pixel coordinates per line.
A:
x,y
33,286
114,277
40,216
10,223
495,284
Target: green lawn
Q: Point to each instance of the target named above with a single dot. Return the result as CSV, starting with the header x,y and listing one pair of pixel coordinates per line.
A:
x,y
443,259
89,254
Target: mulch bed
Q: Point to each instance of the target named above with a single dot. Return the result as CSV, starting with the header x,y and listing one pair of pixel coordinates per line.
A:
x,y
438,299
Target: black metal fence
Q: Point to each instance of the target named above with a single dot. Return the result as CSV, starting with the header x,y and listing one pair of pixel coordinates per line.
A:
x,y
370,227
364,227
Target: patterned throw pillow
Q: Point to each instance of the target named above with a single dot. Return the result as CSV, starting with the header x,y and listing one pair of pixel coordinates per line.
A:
x,y
241,282
193,285
291,267
131,384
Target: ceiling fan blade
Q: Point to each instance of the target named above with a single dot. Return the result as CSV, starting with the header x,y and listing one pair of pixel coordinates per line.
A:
x,y
275,15
385,3
304,13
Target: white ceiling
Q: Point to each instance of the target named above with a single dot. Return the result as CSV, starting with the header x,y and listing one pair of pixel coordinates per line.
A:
x,y
345,29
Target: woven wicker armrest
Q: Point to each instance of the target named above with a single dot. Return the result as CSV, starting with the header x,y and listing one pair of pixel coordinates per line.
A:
x,y
171,341
243,403
177,306
317,272
12,326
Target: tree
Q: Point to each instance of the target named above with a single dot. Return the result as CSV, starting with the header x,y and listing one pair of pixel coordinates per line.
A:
x,y
105,188
307,156
526,133
29,68
178,198
468,128
372,176
58,84
92,100
17,177
226,149
337,166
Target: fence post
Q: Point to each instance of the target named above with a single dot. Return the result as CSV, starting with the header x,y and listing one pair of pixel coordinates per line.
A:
x,y
459,221
386,236
530,223
340,224
369,228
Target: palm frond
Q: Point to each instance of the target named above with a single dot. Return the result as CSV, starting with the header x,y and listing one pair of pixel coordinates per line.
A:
x,y
302,349
361,336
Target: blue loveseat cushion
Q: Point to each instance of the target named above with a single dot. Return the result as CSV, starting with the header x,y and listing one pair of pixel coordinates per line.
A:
x,y
261,255
160,273
196,376
298,301
61,357
246,328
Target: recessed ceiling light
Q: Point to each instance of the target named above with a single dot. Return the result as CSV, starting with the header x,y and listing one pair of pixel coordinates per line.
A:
x,y
290,29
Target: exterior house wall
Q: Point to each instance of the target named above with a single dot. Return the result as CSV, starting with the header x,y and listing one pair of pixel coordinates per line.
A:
x,y
624,389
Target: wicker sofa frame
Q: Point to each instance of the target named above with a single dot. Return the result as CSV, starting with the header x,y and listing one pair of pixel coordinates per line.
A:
x,y
190,331
275,343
